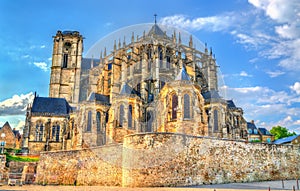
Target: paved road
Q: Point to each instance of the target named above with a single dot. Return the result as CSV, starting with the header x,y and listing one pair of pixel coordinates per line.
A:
x,y
254,186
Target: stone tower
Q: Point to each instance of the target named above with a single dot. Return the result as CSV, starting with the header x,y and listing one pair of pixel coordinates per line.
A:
x,y
66,66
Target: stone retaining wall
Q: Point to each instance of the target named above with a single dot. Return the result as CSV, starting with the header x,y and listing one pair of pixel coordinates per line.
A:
x,y
167,159
95,166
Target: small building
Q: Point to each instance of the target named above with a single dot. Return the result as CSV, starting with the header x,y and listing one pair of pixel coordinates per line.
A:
x,y
294,140
266,136
253,133
10,137
46,127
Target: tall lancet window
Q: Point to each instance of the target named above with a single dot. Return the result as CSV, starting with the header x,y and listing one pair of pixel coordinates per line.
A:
x,y
129,116
186,106
55,132
174,106
89,122
65,61
39,132
121,115
98,119
216,119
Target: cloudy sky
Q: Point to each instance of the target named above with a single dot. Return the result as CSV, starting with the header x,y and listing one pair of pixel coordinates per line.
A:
x,y
256,43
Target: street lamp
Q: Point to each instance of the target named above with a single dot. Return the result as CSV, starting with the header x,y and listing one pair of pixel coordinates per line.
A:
x,y
2,142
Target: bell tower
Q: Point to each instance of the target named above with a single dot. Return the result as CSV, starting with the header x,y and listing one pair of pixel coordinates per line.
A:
x,y
66,66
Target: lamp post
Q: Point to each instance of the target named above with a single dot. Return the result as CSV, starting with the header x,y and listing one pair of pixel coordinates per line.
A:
x,y
2,142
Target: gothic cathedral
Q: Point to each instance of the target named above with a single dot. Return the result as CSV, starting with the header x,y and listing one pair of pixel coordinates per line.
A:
x,y
155,83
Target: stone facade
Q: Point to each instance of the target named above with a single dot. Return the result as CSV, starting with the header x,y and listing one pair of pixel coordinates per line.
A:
x,y
168,159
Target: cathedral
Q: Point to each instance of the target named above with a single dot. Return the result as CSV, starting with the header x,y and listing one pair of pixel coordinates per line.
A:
x,y
154,83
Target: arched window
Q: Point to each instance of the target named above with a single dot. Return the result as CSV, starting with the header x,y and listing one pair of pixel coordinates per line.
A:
x,y
89,121
149,118
121,115
186,107
65,61
216,119
129,116
98,119
39,132
55,132
174,106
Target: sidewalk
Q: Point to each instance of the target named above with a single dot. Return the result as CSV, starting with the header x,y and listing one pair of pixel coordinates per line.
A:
x,y
254,186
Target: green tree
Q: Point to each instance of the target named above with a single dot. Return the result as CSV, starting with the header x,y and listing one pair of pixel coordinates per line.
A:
x,y
281,132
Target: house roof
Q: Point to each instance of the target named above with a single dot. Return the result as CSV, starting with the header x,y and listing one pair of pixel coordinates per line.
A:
x,y
285,139
252,129
264,131
53,106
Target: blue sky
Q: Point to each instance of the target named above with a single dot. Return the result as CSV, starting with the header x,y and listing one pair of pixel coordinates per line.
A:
x,y
256,43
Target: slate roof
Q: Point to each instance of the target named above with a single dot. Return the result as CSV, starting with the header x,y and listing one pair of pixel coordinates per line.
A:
x,y
211,94
53,106
230,104
86,63
183,75
252,128
98,97
264,131
156,30
285,140
127,90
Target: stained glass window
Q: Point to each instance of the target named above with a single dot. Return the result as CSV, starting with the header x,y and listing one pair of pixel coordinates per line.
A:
x,y
174,106
186,106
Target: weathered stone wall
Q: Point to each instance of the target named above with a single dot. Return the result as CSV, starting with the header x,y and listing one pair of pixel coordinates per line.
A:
x,y
95,166
166,159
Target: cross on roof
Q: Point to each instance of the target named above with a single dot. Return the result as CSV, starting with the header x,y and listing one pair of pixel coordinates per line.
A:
x,y
155,15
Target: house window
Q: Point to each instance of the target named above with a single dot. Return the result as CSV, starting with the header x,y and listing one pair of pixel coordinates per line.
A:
x,y
174,106
129,116
89,122
216,120
98,119
65,61
121,115
186,106
55,133
255,131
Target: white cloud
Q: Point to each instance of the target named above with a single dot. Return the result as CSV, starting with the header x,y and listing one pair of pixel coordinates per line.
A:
x,y
41,65
279,10
286,22
43,46
296,87
245,74
274,74
212,23
267,106
16,105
